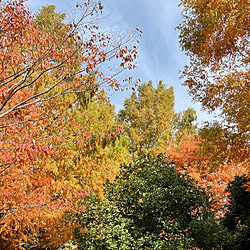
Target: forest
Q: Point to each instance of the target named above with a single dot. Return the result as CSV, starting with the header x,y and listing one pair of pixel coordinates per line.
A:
x,y
76,173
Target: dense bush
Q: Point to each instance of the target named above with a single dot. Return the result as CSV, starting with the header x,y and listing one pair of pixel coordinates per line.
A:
x,y
149,206
237,218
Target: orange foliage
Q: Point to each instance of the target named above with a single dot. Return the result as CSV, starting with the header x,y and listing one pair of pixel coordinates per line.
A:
x,y
42,75
215,35
188,159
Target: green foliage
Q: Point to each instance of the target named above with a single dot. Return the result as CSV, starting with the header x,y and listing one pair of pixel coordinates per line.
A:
x,y
147,117
149,206
49,19
184,123
237,218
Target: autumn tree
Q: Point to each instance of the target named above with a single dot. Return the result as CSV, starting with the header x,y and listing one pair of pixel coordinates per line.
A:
x,y
44,70
48,19
215,35
99,157
147,117
189,159
184,124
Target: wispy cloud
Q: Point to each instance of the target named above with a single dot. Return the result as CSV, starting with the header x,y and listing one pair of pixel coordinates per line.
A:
x,y
160,57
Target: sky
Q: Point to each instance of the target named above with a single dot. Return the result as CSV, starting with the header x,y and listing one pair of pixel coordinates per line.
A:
x,y
160,57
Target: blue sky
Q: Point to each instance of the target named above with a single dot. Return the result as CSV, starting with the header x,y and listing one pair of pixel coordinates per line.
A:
x,y
160,57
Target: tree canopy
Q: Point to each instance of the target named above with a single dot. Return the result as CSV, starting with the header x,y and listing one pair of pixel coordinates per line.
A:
x,y
71,168
47,69
215,36
147,117
149,206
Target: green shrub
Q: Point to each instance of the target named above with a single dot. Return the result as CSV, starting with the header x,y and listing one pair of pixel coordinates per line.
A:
x,y
149,206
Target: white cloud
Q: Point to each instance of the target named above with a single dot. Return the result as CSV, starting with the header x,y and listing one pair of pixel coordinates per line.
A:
x,y
160,57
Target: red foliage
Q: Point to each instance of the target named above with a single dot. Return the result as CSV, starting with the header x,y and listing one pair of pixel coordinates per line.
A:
x,y
42,75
